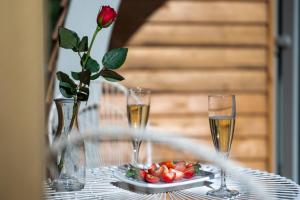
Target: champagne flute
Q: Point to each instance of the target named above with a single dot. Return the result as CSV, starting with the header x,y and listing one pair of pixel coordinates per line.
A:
x,y
222,113
138,107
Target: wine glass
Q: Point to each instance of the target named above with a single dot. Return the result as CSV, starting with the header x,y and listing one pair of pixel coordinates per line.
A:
x,y
138,108
222,113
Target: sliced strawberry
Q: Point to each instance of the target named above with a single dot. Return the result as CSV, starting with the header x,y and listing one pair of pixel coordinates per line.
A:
x,y
157,172
152,168
151,179
188,165
179,174
169,164
165,169
168,177
189,172
142,174
180,166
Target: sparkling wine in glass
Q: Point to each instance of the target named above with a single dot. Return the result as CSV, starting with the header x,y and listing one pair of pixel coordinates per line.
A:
x,y
138,108
222,113
222,129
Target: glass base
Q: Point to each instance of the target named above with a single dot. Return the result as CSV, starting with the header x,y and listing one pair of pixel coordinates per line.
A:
x,y
223,193
66,183
138,165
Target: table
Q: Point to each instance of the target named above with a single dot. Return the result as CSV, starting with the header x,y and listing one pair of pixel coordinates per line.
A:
x,y
98,186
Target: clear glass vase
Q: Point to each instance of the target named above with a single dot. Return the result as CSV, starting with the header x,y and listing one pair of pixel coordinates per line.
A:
x,y
67,170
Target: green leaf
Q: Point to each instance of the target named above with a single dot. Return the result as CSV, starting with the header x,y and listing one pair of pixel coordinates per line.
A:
x,y
132,173
75,75
197,168
91,64
64,92
67,86
67,39
72,88
63,77
111,75
83,76
115,58
95,76
66,89
83,45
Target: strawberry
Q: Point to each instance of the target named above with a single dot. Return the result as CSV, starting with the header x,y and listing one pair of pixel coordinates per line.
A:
x,y
157,172
168,177
179,174
152,168
189,172
180,166
151,179
142,174
165,169
188,165
169,164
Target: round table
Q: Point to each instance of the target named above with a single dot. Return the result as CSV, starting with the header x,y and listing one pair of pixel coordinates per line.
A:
x,y
98,186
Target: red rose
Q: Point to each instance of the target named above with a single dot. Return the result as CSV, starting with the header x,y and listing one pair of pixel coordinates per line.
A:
x,y
106,16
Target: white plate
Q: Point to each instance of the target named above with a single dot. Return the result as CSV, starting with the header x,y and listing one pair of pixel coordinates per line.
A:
x,y
151,188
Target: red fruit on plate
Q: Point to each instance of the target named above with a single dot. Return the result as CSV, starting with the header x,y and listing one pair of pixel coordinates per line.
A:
x,y
152,168
151,179
178,174
158,172
188,165
169,164
165,169
168,177
142,174
189,172
180,166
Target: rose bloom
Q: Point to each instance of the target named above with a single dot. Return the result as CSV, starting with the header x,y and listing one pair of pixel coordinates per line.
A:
x,y
106,16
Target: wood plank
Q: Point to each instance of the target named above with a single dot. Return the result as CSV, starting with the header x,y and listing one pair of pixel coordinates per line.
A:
x,y
210,11
191,57
260,164
174,104
167,34
109,155
271,93
195,80
198,126
185,104
241,149
249,148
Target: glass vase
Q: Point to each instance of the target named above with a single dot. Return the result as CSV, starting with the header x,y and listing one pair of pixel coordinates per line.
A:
x,y
68,166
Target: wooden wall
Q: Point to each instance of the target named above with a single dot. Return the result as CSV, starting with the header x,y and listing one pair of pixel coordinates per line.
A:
x,y
186,49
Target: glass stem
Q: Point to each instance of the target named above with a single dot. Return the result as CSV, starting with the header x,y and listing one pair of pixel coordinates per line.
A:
x,y
136,150
135,156
223,179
